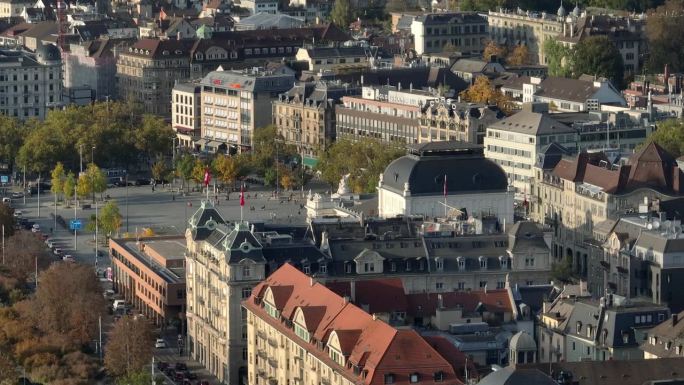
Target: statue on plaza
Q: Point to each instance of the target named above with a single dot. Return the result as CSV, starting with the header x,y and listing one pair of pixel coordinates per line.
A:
x,y
343,188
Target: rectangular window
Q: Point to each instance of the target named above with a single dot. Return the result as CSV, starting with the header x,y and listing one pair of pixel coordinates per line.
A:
x,y
369,267
246,292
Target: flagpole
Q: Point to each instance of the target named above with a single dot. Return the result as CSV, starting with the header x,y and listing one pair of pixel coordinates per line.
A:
x,y
445,196
242,201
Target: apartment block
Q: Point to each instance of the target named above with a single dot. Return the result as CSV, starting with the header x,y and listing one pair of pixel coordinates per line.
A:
x,y
305,115
300,332
150,274
466,32
236,103
30,83
447,119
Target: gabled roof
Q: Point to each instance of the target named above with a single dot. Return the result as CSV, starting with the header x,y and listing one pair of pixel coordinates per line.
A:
x,y
495,301
670,338
379,295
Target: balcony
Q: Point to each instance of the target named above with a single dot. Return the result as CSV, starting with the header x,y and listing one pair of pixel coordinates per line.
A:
x,y
273,362
273,342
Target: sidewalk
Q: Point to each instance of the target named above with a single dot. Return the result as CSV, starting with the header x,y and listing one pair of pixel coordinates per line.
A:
x,y
170,355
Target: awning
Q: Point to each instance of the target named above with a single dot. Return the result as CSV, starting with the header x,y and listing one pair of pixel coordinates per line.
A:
x,y
310,162
213,143
201,142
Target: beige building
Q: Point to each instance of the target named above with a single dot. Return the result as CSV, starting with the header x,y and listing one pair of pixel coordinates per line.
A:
x,y
185,113
514,143
13,8
531,29
236,103
579,193
148,71
305,116
446,119
465,32
299,332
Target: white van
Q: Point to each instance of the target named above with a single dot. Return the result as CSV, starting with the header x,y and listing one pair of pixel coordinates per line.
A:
x,y
119,304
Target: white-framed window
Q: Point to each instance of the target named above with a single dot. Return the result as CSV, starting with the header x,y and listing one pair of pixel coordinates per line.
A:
x,y
246,271
246,292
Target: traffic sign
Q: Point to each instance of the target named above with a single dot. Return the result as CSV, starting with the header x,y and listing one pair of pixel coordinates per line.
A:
x,y
75,224
4,179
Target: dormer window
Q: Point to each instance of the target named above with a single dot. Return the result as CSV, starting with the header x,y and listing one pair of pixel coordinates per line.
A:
x,y
439,263
579,327
461,263
389,378
306,268
408,265
165,53
439,376
668,345
421,265
590,331
678,350
271,310
483,262
414,378
322,268
347,267
246,271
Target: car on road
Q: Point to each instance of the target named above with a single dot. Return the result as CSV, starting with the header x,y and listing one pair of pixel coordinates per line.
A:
x,y
160,343
51,244
109,293
16,195
17,213
35,228
68,258
142,182
58,251
6,200
119,304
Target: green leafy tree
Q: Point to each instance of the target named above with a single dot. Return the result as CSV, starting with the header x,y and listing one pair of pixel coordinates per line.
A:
x,y
670,136
198,171
69,187
184,166
559,58
664,30
364,161
58,178
129,348
227,169
110,218
98,180
7,219
341,13
12,134
562,271
597,55
154,136
268,146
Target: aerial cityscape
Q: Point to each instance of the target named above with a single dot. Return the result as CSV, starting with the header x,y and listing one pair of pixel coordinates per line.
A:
x,y
341,192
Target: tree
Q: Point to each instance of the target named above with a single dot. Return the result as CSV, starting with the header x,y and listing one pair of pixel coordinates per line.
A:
x,y
363,161
8,370
198,171
154,136
184,166
519,56
84,186
227,169
23,254
137,378
286,178
159,170
69,187
493,49
664,30
69,301
7,219
562,271
97,178
110,218
267,147
482,91
670,136
129,348
341,14
58,178
12,135
559,58
468,5
597,55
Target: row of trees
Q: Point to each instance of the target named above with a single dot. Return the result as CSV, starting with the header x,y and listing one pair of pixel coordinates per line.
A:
x,y
515,56
66,185
595,55
121,134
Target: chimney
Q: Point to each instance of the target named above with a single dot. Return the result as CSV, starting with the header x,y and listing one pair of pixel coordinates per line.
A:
x,y
399,86
352,291
485,288
440,302
311,281
675,319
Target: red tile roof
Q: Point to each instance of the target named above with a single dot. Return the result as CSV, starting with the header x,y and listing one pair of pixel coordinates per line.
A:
x,y
495,301
377,348
380,295
456,358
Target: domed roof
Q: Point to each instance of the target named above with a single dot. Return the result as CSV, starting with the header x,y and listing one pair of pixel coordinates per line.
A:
x,y
466,173
47,52
576,11
561,10
522,341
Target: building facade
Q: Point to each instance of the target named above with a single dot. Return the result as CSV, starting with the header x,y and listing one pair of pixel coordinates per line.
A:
x,y
92,65
186,113
150,274
465,32
305,115
236,103
30,84
445,119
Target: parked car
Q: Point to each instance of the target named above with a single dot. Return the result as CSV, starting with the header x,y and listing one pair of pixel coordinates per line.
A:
x,y
142,182
181,366
6,200
16,195
17,213
58,251
35,228
171,372
162,365
50,243
68,258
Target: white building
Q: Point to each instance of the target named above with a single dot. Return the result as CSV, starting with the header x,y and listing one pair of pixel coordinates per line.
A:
x,y
415,184
464,31
185,113
30,84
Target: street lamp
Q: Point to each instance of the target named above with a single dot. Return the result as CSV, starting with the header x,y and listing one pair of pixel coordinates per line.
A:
x,y
80,155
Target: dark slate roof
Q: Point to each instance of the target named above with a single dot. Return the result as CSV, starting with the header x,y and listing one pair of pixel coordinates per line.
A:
x,y
550,155
532,123
659,243
616,372
199,219
451,18
467,171
526,236
515,376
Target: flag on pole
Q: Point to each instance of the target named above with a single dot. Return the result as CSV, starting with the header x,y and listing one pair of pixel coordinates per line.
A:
x,y
207,177
445,186
242,195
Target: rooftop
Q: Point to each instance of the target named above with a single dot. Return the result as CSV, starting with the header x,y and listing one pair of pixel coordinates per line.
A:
x,y
170,248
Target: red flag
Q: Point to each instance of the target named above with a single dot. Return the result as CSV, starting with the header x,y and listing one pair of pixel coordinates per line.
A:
x,y
445,185
242,195
207,177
